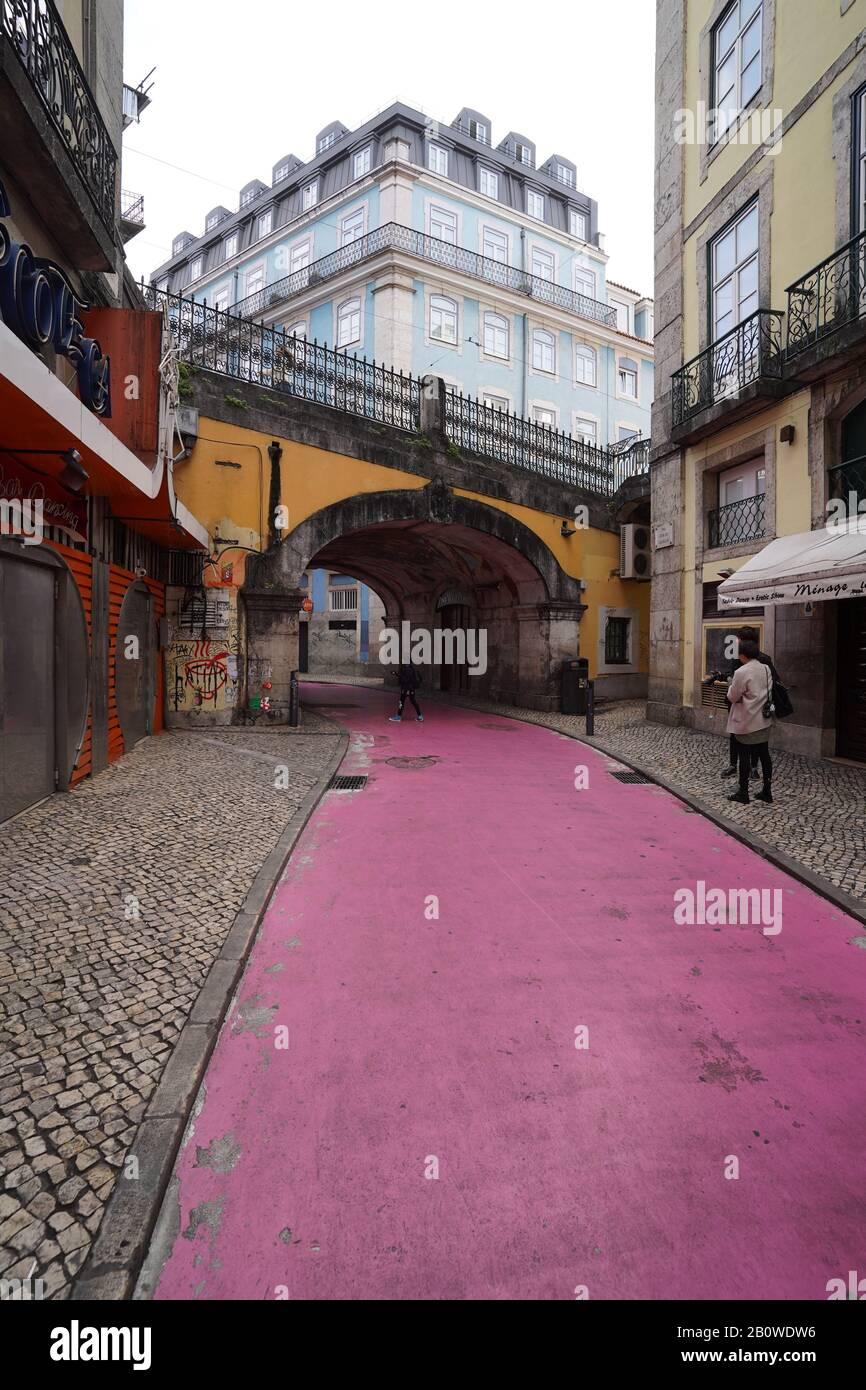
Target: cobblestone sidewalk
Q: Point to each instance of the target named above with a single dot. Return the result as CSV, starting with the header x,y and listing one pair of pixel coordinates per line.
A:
x,y
819,815
114,902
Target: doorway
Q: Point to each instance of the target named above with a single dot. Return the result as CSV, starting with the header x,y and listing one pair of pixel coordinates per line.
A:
x,y
851,667
27,684
455,679
134,665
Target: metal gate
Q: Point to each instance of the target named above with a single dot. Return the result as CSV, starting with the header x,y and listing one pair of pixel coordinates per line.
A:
x,y
27,684
134,665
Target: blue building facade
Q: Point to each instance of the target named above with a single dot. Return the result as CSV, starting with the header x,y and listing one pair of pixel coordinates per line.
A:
x,y
427,248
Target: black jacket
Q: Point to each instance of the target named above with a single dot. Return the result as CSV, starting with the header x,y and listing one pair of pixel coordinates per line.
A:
x,y
410,678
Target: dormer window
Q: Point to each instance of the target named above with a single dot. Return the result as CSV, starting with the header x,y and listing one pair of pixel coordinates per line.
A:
x,y
178,244
523,154
535,204
310,196
248,196
282,172
265,223
326,141
565,175
362,162
577,224
478,131
437,160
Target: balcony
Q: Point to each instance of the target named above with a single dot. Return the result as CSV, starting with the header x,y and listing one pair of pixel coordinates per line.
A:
x,y
847,478
827,311
737,522
724,381
54,140
131,215
392,237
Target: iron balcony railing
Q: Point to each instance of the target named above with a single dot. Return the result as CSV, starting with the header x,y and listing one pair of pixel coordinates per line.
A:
x,y
465,129
394,237
221,342
847,478
37,37
507,438
828,297
745,355
132,207
738,521
250,352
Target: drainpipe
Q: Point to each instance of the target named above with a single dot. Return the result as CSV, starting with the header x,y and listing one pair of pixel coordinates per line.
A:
x,y
525,327
275,453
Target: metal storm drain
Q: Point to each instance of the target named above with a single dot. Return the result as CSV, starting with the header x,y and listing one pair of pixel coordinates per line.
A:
x,y
634,777
411,762
348,784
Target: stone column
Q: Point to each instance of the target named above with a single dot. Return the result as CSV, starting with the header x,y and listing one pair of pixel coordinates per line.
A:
x,y
549,633
269,652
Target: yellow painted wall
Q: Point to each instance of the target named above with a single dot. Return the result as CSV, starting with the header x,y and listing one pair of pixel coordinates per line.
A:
x,y
231,502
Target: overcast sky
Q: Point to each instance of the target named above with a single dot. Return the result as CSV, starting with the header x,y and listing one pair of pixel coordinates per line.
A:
x,y
238,86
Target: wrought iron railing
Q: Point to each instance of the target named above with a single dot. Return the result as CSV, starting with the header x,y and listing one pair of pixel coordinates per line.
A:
x,y
847,478
250,352
221,342
828,297
394,237
745,355
737,521
513,439
132,207
464,129
37,37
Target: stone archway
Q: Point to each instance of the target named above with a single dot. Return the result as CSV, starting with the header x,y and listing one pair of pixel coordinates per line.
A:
x,y
410,545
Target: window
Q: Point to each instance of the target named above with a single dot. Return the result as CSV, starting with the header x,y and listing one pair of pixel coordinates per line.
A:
x,y
616,641
478,131
543,351
535,204
195,268
310,196
349,322
282,172
265,223
362,161
247,197
443,319
860,164
254,280
343,600
585,365
231,246
221,299
352,226
734,273
736,61
623,314
299,256
624,433
586,429
437,160
543,415
488,183
523,154
543,264
443,225
496,335
565,175
494,245
577,223
627,377
326,141
584,281
297,330
213,221
496,402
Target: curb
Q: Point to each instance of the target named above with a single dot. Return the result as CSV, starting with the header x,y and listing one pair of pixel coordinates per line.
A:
x,y
124,1235
838,896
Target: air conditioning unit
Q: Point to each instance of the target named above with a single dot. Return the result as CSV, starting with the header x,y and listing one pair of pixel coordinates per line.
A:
x,y
635,561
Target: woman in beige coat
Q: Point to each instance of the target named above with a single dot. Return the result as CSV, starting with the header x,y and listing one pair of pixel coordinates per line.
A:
x,y
749,692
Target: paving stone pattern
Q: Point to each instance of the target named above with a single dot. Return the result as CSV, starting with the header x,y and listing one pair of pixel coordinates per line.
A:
x,y
114,902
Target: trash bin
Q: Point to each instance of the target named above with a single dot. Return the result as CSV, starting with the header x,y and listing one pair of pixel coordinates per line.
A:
x,y
575,676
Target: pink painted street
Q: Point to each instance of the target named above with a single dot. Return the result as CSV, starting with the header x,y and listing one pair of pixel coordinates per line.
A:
x,y
474,1056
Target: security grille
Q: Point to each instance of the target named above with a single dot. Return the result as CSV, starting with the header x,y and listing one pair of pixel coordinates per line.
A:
x,y
348,784
634,777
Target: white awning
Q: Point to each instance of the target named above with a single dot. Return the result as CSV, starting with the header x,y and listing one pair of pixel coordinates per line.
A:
x,y
806,568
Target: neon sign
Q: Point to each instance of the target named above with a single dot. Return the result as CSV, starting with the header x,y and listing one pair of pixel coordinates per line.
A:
x,y
40,306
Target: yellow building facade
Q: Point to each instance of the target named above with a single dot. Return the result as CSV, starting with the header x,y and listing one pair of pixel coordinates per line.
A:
x,y
759,424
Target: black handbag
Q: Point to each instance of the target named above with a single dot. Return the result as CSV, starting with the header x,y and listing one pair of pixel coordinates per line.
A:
x,y
782,701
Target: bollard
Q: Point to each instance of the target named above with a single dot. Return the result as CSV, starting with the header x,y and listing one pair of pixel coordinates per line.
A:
x,y
590,707
294,701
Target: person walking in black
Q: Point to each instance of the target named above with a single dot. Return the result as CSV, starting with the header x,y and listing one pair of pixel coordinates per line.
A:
x,y
410,679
